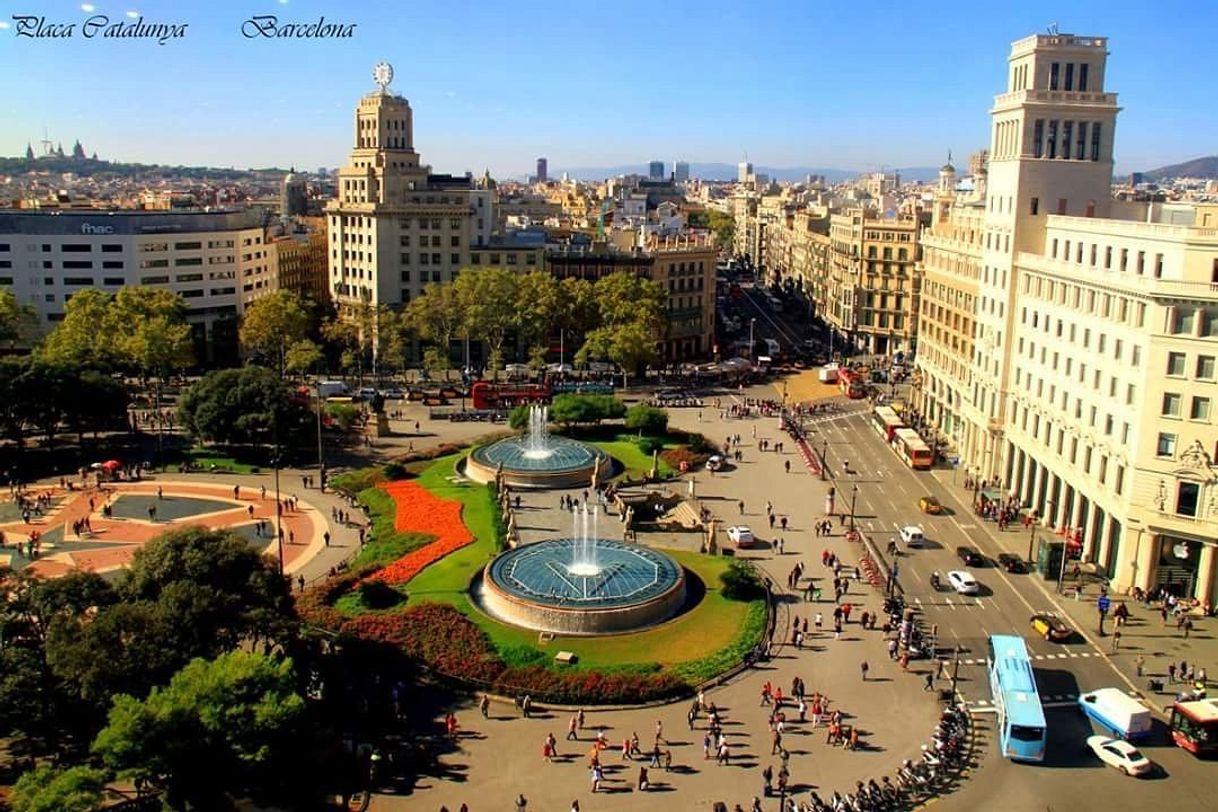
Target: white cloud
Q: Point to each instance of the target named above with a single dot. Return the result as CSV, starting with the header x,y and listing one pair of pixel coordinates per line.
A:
x,y
3,24
87,7
133,15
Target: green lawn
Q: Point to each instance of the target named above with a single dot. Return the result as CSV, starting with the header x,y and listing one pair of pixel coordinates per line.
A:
x,y
635,462
700,643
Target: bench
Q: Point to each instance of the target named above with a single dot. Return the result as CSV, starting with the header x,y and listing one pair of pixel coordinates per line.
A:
x,y
565,657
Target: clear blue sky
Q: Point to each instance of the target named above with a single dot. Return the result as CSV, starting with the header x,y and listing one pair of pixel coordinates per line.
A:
x,y
496,84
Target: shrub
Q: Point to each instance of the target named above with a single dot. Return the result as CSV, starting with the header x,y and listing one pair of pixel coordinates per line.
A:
x,y
518,418
359,480
569,408
497,522
699,444
682,454
647,419
649,445
376,594
394,471
343,415
740,582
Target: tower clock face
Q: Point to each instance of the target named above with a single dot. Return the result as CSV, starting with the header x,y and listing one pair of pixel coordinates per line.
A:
x,y
382,74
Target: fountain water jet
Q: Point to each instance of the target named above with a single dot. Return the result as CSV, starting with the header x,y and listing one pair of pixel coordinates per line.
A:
x,y
583,561
537,438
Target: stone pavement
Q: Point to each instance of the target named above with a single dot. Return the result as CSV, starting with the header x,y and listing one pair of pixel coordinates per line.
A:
x,y
500,757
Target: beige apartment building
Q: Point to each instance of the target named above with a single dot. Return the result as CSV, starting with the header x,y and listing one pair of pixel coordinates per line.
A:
x,y
395,226
1089,387
797,254
871,290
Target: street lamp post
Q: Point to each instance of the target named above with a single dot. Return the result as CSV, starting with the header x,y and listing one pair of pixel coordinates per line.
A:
x,y
824,460
752,325
854,492
321,460
1031,534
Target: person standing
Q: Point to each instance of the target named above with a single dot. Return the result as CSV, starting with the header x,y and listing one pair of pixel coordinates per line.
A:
x,y
864,667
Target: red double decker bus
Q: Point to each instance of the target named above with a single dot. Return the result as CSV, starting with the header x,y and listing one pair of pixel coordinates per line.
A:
x,y
487,395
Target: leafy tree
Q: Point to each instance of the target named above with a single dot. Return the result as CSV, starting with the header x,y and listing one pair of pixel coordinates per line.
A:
x,y
86,336
240,406
488,301
153,335
302,356
631,346
647,419
723,224
538,304
518,417
55,789
273,324
189,593
437,316
18,322
221,729
624,298
741,583
578,310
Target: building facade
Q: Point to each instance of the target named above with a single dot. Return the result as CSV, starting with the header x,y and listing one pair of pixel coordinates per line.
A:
x,y
655,170
301,261
395,226
683,266
543,170
217,261
1089,386
872,289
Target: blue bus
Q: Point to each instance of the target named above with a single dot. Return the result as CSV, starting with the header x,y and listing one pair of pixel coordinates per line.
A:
x,y
1021,720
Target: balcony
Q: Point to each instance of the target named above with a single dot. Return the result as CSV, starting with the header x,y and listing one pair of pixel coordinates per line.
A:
x,y
1072,97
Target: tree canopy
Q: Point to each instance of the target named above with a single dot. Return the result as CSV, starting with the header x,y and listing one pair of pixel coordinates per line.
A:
x,y
240,406
273,324
217,731
18,322
139,329
54,789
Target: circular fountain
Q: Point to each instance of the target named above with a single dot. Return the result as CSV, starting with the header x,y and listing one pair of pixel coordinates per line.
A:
x,y
537,459
583,584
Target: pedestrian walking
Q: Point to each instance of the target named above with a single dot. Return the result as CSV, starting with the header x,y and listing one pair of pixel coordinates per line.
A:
x,y
1116,640
864,667
1139,664
1171,672
930,681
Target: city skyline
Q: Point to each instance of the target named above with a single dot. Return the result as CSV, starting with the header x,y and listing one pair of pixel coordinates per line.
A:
x,y
766,84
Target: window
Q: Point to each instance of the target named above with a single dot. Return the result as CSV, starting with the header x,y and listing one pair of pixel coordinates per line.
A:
x,y
114,280
1171,404
1082,77
456,259
79,280
1187,496
1200,410
1051,147
188,277
187,246
1080,142
111,248
113,264
187,261
1067,137
1184,321
154,263
1166,446
1054,70
77,264
1035,206
76,248
1095,141
1205,367
405,276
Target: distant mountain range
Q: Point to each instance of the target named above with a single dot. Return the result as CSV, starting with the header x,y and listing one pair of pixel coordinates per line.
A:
x,y
1196,168
720,171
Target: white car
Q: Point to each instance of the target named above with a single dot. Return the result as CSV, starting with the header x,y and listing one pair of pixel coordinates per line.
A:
x,y
714,463
912,536
963,582
740,535
1120,754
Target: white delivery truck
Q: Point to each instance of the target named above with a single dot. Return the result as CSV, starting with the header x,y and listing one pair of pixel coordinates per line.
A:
x,y
828,373
329,389
1118,712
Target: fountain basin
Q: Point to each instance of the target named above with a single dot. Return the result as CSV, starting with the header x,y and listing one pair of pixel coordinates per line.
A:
x,y
568,463
545,586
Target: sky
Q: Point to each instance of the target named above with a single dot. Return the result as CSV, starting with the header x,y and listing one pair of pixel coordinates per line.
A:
x,y
495,84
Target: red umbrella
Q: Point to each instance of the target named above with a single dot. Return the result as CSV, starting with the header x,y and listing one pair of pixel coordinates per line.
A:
x,y
111,465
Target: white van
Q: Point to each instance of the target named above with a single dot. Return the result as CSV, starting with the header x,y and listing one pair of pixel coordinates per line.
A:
x,y
912,536
828,373
1118,712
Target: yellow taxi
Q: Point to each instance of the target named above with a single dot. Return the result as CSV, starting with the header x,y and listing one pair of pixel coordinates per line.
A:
x,y
929,504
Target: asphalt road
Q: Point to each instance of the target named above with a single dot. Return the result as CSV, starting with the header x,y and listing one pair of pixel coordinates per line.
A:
x,y
887,498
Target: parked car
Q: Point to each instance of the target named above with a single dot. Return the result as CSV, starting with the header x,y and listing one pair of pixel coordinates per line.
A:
x,y
969,556
1120,754
714,463
1011,563
1051,627
912,536
963,582
367,392
929,504
393,393
741,536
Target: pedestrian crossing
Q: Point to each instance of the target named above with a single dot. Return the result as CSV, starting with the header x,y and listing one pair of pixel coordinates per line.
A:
x,y
1065,656
1050,701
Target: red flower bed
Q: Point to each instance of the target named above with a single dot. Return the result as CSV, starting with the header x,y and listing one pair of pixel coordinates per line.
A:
x,y
420,511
